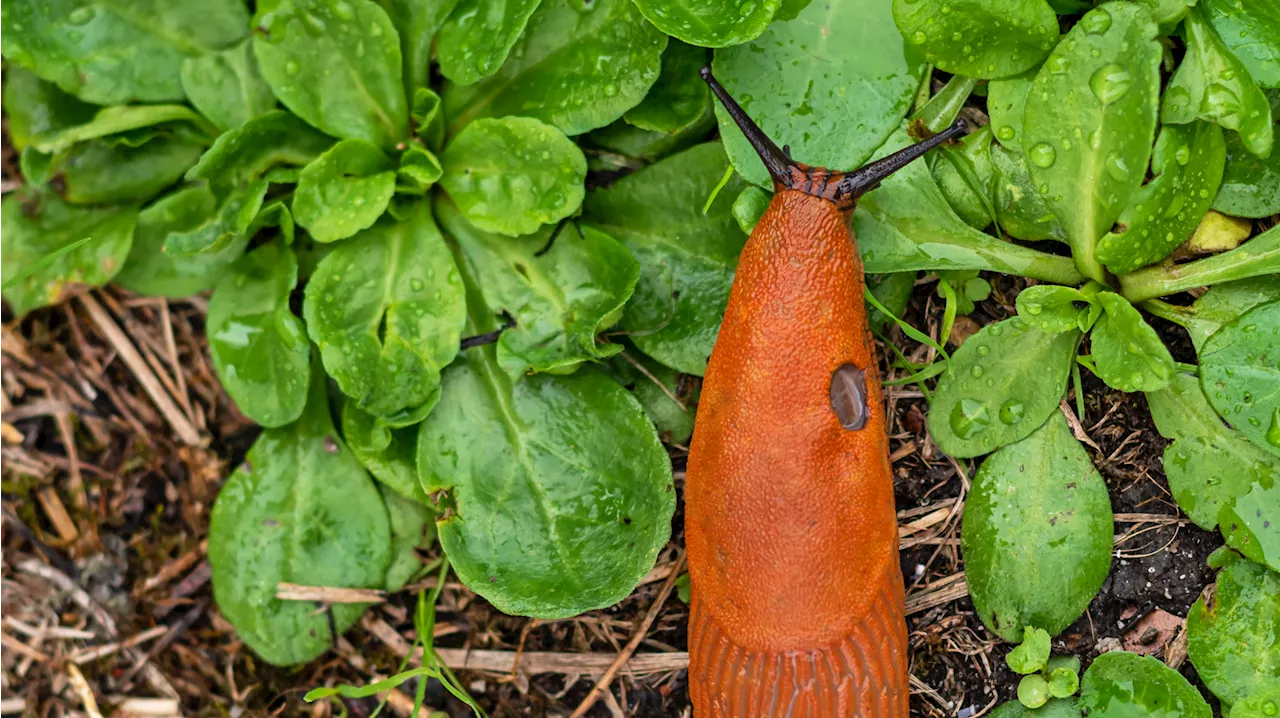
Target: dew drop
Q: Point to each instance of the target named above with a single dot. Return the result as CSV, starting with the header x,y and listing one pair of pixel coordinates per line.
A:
x,y
417,285
1117,167
1182,155
291,67
984,350
1110,83
969,417
1096,22
1043,155
1006,132
919,37
1057,64
80,16
1011,411
976,371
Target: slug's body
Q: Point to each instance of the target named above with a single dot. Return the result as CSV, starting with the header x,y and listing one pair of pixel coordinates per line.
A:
x,y
797,597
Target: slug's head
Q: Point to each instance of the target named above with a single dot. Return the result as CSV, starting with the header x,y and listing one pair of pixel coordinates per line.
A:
x,y
842,188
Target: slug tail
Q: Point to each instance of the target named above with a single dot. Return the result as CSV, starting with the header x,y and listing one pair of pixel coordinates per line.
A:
x,y
863,674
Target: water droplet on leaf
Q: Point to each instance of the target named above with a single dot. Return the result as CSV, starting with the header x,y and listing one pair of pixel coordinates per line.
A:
x,y
1043,155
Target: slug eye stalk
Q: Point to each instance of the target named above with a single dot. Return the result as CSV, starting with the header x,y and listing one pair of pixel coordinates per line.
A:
x,y
842,188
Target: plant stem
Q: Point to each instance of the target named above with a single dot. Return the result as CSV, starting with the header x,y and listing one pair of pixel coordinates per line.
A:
x,y
1257,257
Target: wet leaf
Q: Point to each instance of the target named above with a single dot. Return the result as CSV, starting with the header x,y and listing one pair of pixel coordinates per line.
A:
x,y
386,310
1240,373
388,453
560,298
476,38
1187,162
226,86
35,107
1251,30
36,226
973,158
259,348
1168,13
1003,383
151,272
336,65
750,206
1020,208
513,175
131,125
1090,121
104,172
587,486
1036,533
679,97
111,53
344,190
1055,708
658,391
578,66
1212,84
412,525
1006,104
710,23
1233,638
833,84
245,154
647,146
1250,186
1125,685
1261,703
416,22
979,38
1223,303
1251,523
419,170
1258,257
300,509
1051,308
1032,654
1208,464
236,211
1128,353
687,258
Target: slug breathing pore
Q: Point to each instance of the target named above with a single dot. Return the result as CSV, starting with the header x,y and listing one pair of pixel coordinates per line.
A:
x,y
797,596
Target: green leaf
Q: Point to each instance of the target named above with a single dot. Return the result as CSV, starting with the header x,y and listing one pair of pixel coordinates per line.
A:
x,y
37,226
833,84
1223,303
1261,703
554,447
1233,637
226,86
979,38
1208,465
577,66
1168,13
638,147
102,172
1240,373
386,310
1064,682
1257,257
335,65
1251,523
1036,533
388,453
1090,121
259,348
1212,84
151,272
121,121
1128,353
300,509
560,297
687,258
244,154
227,226
710,23
750,206
1125,685
679,97
412,525
1006,104
416,21
1033,691
1052,308
513,175
1055,708
419,169
1250,186
969,203
344,190
475,40
1020,208
891,290
1032,654
1002,384
907,225
1251,30
111,53
658,390
35,107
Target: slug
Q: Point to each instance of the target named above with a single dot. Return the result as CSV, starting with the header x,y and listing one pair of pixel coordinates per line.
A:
x,y
790,529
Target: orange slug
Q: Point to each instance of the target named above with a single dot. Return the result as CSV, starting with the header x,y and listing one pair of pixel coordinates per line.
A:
x,y
790,529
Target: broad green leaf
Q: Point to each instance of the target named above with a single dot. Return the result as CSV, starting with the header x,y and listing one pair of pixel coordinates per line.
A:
x,y
658,390
35,107
561,290
1187,164
300,509
1257,257
259,348
419,169
944,107
335,65
1128,353
907,225
710,23
1251,523
687,258
1033,691
586,488
577,66
1240,373
226,86
679,97
1020,208
104,172
513,175
344,190
244,154
1090,121
1036,533
1006,104
123,121
1212,84
1055,708
1064,682
44,259
1208,464
1168,13
1261,703
1051,308
1233,631
953,170
1250,186
833,84
412,525
386,310
1002,384
1032,654
1222,304
638,147
237,209
152,272
388,453
416,22
1251,30
891,290
112,53
477,36
750,206
1125,685
979,38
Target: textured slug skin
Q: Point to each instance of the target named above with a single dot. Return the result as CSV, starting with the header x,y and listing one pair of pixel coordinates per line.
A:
x,y
797,597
